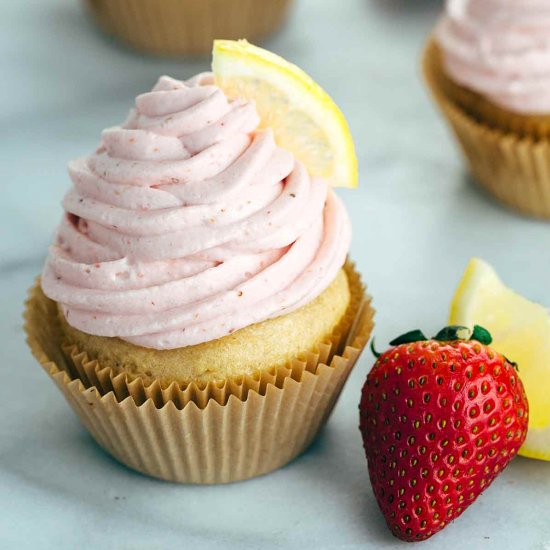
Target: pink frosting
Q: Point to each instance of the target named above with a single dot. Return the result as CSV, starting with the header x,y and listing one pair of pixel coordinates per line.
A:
x,y
501,49
188,224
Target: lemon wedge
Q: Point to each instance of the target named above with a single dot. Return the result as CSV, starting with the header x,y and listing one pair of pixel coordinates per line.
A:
x,y
303,117
521,331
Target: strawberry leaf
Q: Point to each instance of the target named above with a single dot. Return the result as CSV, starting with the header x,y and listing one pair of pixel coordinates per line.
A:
x,y
482,335
408,338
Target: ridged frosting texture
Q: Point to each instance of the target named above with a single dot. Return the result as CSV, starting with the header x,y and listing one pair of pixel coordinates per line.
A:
x,y
188,224
501,49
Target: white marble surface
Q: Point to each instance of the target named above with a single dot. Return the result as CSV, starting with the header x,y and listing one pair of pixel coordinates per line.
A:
x,y
417,220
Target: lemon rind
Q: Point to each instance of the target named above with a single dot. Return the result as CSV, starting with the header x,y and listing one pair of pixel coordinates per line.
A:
x,y
246,60
475,272
478,271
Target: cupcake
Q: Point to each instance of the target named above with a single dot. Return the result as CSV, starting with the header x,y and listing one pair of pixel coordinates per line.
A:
x,y
197,308
178,27
486,65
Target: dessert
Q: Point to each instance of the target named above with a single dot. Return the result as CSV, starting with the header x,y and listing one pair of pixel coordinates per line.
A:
x,y
486,65
197,287
440,419
521,330
182,27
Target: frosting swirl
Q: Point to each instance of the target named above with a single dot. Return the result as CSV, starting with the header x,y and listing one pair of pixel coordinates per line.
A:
x,y
187,224
501,49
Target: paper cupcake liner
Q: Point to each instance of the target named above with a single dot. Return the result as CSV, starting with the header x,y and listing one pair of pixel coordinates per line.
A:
x,y
515,169
480,108
172,27
218,433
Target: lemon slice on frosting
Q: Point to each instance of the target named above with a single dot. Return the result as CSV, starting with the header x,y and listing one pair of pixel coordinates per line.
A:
x,y
521,331
304,119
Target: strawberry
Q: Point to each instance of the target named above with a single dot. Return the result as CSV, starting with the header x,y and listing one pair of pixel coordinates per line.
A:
x,y
440,419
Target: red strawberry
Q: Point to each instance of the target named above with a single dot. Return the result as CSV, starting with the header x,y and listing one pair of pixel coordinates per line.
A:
x,y
440,420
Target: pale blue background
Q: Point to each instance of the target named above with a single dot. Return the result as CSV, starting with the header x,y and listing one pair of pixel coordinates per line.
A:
x,y
417,220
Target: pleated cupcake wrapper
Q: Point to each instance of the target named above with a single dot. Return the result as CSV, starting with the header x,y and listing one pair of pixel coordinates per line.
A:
x,y
514,168
172,27
212,434
480,108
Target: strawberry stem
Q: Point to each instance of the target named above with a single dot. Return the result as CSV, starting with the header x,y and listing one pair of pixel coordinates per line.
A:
x,y
457,332
453,332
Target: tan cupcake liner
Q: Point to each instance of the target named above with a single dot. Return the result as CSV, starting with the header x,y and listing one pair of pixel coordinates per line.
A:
x,y
172,27
479,107
217,433
515,169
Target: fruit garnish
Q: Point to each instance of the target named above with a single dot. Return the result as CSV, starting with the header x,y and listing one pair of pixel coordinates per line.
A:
x,y
303,117
521,330
440,419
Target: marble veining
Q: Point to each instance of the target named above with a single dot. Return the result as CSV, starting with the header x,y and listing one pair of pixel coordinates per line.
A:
x,y
417,219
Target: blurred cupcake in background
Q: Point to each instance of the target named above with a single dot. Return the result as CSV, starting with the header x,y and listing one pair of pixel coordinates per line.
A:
x,y
179,27
487,65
